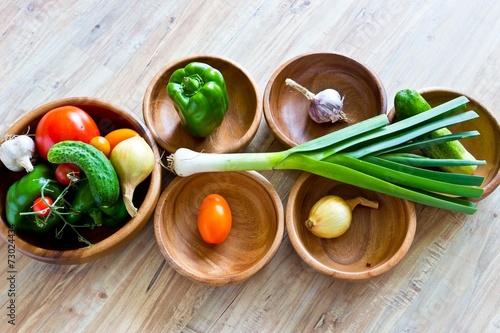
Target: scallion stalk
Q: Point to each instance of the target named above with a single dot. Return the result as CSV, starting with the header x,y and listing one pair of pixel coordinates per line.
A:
x,y
350,156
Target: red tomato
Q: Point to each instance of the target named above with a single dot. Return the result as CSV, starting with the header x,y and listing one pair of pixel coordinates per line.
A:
x,y
64,123
42,206
214,219
102,144
66,173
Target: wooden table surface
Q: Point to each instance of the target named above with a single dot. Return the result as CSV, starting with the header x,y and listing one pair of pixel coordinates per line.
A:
x,y
449,280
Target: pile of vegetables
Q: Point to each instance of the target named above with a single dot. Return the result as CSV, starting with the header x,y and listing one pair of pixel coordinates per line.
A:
x,y
372,154
75,177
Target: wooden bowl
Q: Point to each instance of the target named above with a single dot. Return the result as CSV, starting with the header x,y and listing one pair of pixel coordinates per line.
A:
x,y
376,241
256,234
69,250
287,110
240,123
484,147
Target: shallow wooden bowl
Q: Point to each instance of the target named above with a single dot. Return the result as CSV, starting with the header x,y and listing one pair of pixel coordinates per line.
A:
x,y
240,123
69,250
256,234
376,241
484,147
287,111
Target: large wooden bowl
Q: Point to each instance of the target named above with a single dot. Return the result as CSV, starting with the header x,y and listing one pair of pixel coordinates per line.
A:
x,y
256,233
240,123
69,250
287,111
376,241
484,147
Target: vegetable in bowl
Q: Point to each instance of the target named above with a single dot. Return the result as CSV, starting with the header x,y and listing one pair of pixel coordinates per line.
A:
x,y
357,155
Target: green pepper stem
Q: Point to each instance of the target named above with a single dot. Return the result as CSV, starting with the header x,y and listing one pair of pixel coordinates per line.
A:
x,y
191,84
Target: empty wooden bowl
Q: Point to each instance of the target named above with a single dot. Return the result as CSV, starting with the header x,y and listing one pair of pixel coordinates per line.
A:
x,y
256,233
287,110
376,240
484,147
69,250
240,123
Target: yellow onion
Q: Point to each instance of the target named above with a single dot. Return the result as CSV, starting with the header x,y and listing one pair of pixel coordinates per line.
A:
x,y
133,160
331,215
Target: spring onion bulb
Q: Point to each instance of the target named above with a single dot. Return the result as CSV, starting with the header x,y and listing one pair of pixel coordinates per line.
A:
x,y
358,155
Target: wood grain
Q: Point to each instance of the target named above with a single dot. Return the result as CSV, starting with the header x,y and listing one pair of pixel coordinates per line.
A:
x,y
448,282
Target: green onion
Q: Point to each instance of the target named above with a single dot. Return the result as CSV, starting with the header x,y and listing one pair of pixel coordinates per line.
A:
x,y
371,154
422,161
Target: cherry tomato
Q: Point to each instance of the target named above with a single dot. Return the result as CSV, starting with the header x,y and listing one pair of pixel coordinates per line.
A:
x,y
64,123
67,173
214,219
42,206
102,144
117,136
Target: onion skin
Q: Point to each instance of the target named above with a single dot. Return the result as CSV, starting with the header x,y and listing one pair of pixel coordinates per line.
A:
x,y
331,215
133,160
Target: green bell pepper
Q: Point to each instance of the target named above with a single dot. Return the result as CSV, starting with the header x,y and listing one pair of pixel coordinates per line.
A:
x,y
199,95
85,211
22,194
83,204
115,215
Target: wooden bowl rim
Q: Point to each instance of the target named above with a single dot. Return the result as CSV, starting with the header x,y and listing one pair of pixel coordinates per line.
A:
x,y
370,272
282,137
121,236
228,279
148,104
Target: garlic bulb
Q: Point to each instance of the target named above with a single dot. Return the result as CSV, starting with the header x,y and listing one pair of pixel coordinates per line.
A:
x,y
326,106
331,215
17,152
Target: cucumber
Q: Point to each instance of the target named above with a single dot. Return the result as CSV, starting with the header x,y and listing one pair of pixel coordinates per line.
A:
x,y
102,177
409,102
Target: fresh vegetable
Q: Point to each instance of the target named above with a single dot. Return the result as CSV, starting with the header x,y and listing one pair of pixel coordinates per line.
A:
x,y
331,215
326,106
41,206
214,219
117,136
16,153
115,215
409,102
83,206
355,155
133,160
102,144
85,211
22,194
199,95
102,176
64,123
67,173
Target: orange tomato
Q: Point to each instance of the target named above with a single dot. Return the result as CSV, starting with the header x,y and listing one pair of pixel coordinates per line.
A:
x,y
117,136
102,144
214,219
